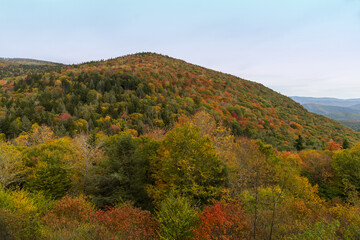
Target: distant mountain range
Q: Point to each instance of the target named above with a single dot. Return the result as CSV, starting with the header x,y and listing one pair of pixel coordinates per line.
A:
x,y
346,111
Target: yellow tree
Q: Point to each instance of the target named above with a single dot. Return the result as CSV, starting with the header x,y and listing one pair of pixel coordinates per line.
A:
x,y
187,164
11,166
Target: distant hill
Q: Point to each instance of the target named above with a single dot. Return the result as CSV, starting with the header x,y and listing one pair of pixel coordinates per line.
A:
x,y
327,101
18,66
147,90
346,111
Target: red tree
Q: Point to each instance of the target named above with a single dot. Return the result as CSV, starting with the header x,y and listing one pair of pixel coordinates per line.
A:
x,y
222,221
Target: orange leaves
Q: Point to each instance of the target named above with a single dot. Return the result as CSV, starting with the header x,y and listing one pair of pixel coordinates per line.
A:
x,y
333,146
77,215
131,222
222,221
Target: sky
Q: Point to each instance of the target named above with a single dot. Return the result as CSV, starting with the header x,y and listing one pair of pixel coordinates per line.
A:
x,y
295,47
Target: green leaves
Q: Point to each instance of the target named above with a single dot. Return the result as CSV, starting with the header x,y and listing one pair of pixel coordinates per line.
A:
x,y
178,218
187,164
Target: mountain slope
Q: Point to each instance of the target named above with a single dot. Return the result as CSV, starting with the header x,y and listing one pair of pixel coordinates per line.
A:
x,y
146,90
18,66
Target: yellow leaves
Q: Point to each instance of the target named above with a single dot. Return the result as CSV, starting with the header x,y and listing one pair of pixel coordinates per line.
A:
x,y
37,135
11,166
81,125
300,187
187,163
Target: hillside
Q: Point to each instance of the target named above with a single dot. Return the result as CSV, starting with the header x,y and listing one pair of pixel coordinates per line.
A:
x,y
150,156
147,90
19,66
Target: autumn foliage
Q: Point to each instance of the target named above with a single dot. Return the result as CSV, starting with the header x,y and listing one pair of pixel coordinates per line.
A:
x,y
149,147
223,221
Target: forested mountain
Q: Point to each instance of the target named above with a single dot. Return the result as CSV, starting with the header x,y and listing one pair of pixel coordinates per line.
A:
x,y
20,66
145,90
345,111
149,147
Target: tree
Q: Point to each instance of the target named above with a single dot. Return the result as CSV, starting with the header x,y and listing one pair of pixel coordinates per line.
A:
x,y
222,221
91,152
49,166
347,166
123,174
299,143
178,218
11,165
187,164
345,144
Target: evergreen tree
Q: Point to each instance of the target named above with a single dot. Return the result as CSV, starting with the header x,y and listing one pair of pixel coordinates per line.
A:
x,y
299,143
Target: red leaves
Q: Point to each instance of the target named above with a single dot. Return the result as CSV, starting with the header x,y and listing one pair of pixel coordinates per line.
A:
x,y
222,221
114,129
124,222
64,116
132,222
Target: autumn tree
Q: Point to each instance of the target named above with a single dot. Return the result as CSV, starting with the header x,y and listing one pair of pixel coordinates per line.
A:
x,y
222,221
11,165
187,164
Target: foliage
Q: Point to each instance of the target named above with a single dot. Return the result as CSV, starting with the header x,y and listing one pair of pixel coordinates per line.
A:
x,y
77,218
124,174
347,166
86,150
319,231
222,221
11,166
20,212
187,164
178,218
150,90
48,168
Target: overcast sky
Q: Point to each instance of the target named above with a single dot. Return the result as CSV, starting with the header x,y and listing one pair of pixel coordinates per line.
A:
x,y
295,47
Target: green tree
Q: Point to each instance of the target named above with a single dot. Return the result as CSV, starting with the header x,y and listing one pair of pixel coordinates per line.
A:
x,y
187,164
345,144
125,171
299,143
178,218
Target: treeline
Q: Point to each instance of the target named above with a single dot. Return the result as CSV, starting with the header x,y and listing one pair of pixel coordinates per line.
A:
x,y
17,67
195,181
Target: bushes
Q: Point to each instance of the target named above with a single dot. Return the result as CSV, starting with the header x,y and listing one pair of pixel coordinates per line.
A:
x,y
20,212
222,221
77,218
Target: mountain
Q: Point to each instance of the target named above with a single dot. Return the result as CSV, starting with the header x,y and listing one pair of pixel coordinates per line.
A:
x,y
346,111
148,90
19,66
327,101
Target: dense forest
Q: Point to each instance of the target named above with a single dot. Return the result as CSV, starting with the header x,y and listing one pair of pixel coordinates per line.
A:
x,y
150,147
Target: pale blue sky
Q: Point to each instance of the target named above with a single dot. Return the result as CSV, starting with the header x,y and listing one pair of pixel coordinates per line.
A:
x,y
296,47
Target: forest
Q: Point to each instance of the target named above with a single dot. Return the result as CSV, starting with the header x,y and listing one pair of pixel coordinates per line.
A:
x,y
150,147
